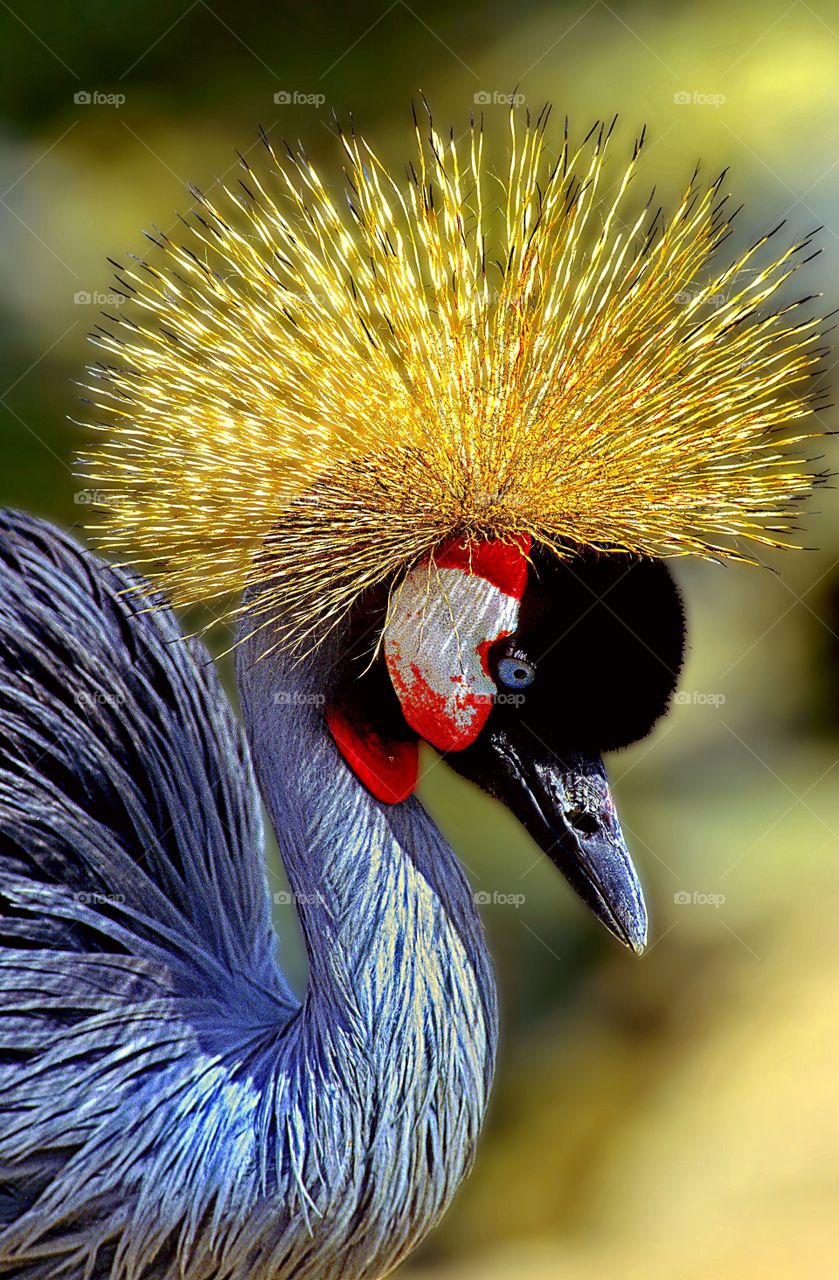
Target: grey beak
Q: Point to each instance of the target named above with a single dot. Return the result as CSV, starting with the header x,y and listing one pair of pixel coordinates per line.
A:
x,y
575,811
565,804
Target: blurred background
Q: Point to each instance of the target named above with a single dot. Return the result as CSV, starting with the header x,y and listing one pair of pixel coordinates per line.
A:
x,y
673,1116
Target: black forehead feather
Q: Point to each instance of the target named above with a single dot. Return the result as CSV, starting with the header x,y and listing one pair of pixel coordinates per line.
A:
x,y
607,635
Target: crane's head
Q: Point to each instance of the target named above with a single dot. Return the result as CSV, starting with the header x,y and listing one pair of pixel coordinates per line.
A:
x,y
522,668
311,400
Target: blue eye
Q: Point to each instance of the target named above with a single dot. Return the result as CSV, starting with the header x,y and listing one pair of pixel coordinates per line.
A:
x,y
515,673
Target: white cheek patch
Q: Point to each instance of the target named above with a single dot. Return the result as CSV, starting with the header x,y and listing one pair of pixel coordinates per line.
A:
x,y
436,646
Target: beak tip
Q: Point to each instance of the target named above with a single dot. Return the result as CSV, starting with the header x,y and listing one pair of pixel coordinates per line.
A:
x,y
630,926
637,938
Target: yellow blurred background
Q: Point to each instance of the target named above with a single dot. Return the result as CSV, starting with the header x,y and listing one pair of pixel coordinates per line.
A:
x,y
674,1116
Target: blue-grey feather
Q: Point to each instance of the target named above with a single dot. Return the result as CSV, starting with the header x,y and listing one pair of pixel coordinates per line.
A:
x,y
168,1109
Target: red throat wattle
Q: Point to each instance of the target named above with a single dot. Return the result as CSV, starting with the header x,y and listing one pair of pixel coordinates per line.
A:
x,y
445,618
388,769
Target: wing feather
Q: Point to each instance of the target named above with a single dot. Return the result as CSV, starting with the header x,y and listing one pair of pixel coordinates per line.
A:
x,y
137,955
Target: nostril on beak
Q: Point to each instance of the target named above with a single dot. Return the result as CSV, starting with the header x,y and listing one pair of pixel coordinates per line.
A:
x,y
581,821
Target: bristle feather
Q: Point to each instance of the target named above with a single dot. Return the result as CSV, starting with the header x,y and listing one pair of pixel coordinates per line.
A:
x,y
314,394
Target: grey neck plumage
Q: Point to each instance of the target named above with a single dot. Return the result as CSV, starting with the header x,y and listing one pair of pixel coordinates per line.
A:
x,y
387,1069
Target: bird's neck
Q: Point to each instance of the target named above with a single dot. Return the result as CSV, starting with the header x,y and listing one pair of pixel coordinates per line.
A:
x,y
398,967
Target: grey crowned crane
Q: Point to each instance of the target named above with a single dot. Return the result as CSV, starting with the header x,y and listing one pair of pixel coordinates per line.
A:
x,y
437,481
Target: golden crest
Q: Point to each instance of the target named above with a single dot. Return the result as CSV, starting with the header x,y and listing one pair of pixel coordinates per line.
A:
x,y
312,390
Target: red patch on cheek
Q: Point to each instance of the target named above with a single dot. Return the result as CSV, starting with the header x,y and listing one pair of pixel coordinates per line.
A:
x,y
438,640
449,723
388,769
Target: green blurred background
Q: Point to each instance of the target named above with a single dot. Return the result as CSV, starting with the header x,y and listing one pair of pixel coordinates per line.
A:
x,y
673,1116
